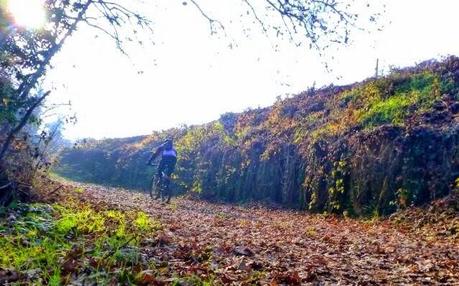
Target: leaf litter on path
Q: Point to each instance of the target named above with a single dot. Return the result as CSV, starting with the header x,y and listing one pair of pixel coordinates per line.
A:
x,y
233,245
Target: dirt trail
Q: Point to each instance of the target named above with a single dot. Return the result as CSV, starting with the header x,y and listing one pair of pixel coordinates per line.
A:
x,y
256,245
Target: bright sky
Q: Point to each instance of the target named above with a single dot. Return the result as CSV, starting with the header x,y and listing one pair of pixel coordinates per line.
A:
x,y
191,77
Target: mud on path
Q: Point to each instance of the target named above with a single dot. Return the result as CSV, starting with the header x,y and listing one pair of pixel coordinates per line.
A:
x,y
255,245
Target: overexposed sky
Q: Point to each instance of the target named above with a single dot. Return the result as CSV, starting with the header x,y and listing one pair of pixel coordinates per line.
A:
x,y
190,77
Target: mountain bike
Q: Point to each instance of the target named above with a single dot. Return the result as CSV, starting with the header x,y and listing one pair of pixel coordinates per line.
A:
x,y
159,186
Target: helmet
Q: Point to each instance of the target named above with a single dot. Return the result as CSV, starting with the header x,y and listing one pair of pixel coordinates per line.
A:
x,y
169,143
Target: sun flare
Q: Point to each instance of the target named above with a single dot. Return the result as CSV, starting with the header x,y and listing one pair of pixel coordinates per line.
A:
x,y
28,13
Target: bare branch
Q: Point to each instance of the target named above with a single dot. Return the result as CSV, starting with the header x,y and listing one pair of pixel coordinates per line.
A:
x,y
262,24
26,86
212,21
114,36
316,19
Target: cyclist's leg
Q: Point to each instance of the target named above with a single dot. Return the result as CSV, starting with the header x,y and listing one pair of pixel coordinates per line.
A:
x,y
167,181
158,186
154,186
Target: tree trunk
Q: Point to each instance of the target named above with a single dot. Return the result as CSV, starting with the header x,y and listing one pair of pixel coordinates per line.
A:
x,y
9,139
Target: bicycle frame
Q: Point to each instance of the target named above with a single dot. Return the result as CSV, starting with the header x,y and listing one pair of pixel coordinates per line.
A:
x,y
159,186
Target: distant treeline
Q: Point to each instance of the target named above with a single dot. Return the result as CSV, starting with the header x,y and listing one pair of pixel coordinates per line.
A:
x,y
362,149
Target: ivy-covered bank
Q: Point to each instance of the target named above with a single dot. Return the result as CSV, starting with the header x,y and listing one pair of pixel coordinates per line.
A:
x,y
367,148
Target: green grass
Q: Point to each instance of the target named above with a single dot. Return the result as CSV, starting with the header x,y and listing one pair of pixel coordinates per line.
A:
x,y
44,236
390,100
193,280
415,95
393,110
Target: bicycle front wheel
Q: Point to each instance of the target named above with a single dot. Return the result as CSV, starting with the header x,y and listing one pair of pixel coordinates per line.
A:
x,y
155,189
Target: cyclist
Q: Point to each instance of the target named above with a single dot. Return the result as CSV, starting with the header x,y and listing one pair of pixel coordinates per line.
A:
x,y
166,165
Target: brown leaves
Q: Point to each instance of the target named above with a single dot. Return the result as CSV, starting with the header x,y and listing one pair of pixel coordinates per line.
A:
x,y
163,238
8,275
289,278
147,277
241,250
70,266
259,246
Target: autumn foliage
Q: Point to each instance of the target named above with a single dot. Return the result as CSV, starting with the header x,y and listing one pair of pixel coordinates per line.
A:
x,y
368,148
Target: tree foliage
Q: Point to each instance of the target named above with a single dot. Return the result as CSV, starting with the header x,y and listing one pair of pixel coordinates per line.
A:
x,y
25,55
